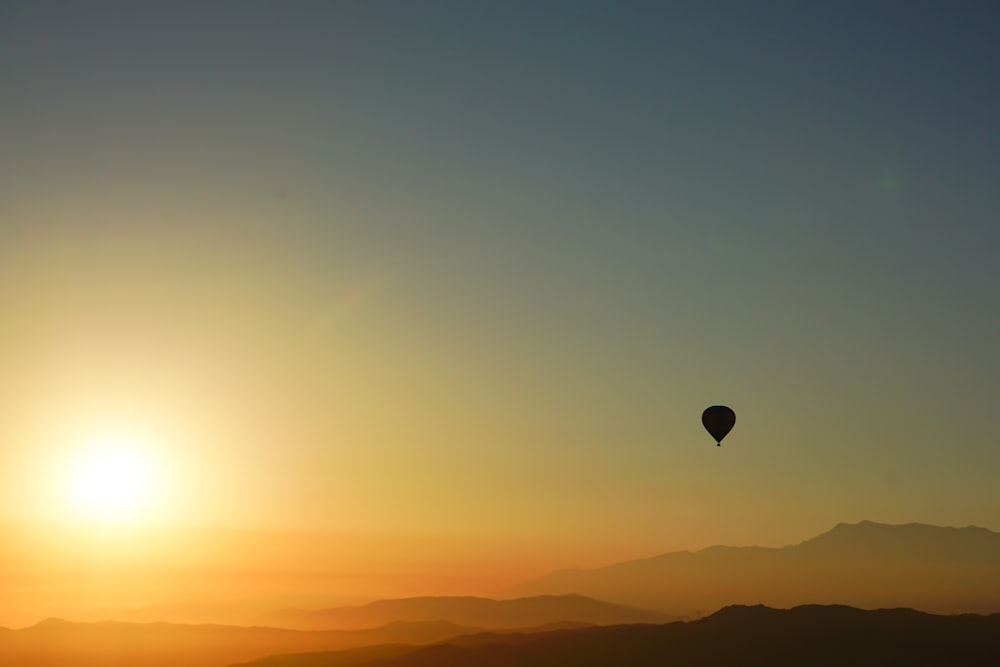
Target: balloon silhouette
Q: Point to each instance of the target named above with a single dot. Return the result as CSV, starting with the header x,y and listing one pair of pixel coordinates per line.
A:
x,y
718,420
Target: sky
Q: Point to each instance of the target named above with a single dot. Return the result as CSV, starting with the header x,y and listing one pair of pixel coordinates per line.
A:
x,y
467,273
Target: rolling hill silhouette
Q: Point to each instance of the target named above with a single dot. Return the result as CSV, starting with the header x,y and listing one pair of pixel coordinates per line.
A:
x,y
114,644
480,612
736,636
350,658
868,565
57,643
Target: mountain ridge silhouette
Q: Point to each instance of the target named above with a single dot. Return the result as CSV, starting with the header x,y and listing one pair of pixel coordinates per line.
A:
x,y
56,641
868,565
470,610
59,642
734,636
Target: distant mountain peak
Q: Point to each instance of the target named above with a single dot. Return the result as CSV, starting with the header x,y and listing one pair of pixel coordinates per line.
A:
x,y
874,533
866,564
53,623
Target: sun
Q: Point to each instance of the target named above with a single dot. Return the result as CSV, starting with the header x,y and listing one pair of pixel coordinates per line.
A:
x,y
112,480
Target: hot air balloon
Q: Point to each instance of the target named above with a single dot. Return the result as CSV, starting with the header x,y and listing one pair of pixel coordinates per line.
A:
x,y
718,420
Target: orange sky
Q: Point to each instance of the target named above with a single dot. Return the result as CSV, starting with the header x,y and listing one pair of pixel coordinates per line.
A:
x,y
72,571
461,282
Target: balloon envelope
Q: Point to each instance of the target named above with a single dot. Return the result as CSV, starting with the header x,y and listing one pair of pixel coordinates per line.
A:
x,y
718,420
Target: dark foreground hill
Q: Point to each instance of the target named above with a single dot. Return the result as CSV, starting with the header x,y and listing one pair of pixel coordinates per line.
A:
x,y
869,565
467,610
818,636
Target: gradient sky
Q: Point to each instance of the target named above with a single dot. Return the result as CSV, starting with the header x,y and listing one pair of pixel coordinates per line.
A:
x,y
472,270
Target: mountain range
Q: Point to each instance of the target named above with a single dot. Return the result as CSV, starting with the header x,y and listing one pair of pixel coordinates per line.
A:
x,y
56,643
481,612
736,636
867,565
601,616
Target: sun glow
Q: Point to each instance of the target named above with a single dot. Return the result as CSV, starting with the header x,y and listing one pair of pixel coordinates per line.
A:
x,y
112,480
